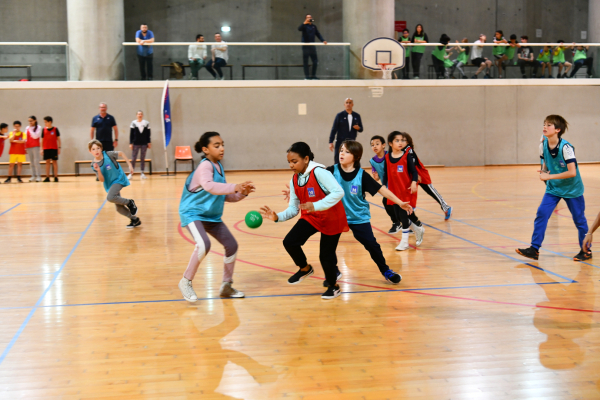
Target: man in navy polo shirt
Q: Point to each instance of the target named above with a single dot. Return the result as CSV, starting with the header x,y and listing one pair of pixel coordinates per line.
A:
x,y
145,53
103,125
309,31
346,125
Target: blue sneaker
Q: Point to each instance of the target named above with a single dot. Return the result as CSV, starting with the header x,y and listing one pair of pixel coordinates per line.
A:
x,y
339,275
392,277
448,213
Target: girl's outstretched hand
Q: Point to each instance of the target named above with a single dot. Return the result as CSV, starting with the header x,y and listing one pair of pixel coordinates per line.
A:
x,y
249,188
286,192
267,213
244,186
309,207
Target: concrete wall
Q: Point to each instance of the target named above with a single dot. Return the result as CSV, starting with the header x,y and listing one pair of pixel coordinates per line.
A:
x,y
452,125
277,21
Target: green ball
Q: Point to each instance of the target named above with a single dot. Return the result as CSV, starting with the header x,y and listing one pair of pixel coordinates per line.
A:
x,y
253,219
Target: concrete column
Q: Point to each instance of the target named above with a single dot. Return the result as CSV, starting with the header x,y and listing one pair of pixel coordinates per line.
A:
x,y
96,31
594,31
365,20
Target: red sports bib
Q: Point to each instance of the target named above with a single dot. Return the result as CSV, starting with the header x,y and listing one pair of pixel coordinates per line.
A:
x,y
399,179
329,222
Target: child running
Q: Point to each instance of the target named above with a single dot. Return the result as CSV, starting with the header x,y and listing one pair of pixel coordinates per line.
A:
x,y
356,182
377,165
424,179
561,174
109,172
400,176
317,194
201,209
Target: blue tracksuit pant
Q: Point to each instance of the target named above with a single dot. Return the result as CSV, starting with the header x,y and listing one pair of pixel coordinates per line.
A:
x,y
549,202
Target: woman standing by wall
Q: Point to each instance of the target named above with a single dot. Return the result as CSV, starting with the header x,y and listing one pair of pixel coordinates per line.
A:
x,y
419,36
139,141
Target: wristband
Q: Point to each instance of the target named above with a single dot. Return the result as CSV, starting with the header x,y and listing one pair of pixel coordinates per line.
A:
x,y
116,140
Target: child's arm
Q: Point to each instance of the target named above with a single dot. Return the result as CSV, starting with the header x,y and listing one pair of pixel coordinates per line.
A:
x,y
385,192
203,177
589,237
412,170
327,182
98,172
58,143
571,173
292,210
124,156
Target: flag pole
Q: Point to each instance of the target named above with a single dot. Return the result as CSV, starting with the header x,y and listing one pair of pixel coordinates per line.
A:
x,y
162,113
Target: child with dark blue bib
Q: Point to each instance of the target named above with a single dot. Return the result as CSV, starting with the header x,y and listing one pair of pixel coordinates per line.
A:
x,y
356,182
561,174
110,173
377,168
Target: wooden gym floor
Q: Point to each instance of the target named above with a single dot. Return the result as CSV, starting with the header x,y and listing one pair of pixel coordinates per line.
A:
x,y
91,310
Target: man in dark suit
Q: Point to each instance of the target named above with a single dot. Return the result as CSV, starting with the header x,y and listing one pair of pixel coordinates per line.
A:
x,y
345,126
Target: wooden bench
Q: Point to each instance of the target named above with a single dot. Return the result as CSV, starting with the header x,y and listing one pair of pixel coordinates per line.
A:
x,y
28,67
276,66
89,162
43,162
163,66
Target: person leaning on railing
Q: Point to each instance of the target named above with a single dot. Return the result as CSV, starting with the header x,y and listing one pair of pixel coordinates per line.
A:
x,y
580,58
197,57
405,38
416,53
145,53
525,58
438,56
309,31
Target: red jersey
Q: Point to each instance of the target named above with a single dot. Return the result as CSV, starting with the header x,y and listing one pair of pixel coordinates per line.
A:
x,y
31,142
49,137
2,146
17,148
423,173
330,222
399,180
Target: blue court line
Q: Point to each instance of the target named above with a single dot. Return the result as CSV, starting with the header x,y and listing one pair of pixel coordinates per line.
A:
x,y
4,212
508,237
569,280
282,295
37,304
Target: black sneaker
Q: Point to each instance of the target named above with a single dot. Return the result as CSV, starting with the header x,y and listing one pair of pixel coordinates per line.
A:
x,y
132,207
332,292
529,252
395,228
46,180
392,277
19,179
134,223
583,256
301,275
337,278
55,179
7,180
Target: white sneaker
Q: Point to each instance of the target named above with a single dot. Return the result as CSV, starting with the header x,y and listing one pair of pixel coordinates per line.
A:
x,y
187,290
32,179
222,78
403,243
228,291
143,176
38,179
129,176
419,233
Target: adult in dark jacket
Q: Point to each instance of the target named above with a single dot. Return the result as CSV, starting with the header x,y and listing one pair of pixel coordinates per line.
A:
x,y
346,125
309,31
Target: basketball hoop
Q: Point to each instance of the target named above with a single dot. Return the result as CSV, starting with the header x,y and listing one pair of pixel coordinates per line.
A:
x,y
386,70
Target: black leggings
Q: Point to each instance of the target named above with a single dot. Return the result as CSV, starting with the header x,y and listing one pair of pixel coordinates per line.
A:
x,y
297,237
588,62
405,218
415,59
390,211
439,67
406,69
364,234
430,190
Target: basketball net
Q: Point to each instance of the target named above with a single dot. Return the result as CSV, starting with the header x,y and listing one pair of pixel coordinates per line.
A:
x,y
386,70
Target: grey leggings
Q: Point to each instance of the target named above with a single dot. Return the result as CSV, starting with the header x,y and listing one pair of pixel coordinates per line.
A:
x,y
218,230
134,153
114,196
34,161
457,65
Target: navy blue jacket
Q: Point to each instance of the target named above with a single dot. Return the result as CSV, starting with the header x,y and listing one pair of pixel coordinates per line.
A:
x,y
340,127
309,31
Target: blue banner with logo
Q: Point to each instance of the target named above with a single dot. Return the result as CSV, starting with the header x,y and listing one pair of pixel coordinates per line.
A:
x,y
166,115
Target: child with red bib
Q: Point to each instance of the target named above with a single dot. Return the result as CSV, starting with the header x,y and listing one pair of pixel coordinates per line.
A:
x,y
50,148
3,136
17,152
424,179
317,194
399,174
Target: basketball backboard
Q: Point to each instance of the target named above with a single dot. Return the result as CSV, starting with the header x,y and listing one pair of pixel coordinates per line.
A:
x,y
382,50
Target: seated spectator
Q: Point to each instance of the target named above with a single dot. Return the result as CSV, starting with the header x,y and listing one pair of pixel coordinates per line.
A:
x,y
558,60
219,57
478,60
525,58
511,50
499,51
580,59
439,56
461,60
197,57
544,60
